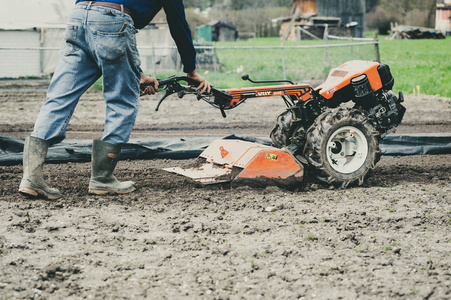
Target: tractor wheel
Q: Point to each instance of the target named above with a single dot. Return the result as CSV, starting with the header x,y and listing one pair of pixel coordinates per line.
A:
x,y
281,133
342,146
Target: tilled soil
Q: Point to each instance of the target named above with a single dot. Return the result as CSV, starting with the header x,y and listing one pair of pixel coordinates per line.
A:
x,y
174,239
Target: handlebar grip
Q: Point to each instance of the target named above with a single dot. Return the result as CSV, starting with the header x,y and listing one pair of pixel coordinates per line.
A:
x,y
143,86
174,79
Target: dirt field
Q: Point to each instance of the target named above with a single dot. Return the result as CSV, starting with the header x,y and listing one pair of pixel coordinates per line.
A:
x,y
172,239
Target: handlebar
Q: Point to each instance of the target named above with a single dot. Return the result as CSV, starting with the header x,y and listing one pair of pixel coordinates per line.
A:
x,y
175,79
172,85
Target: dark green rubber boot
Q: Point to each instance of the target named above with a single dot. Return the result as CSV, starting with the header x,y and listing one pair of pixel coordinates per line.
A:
x,y
33,184
104,160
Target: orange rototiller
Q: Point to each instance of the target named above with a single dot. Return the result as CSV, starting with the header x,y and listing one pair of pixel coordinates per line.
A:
x,y
340,143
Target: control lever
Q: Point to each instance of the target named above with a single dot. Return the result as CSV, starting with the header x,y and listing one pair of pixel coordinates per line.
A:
x,y
246,77
162,99
221,108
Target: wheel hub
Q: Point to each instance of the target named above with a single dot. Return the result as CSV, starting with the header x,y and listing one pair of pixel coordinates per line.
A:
x,y
347,149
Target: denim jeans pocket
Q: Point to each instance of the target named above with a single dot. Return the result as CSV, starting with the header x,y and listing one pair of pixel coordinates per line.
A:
x,y
110,46
70,40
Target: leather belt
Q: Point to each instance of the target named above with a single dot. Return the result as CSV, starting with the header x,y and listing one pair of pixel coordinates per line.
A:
x,y
106,4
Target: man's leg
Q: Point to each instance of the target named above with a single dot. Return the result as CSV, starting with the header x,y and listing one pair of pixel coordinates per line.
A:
x,y
121,91
118,58
76,71
64,92
74,74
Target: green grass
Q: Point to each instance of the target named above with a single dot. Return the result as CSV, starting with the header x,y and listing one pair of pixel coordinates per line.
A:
x,y
312,237
423,63
301,65
98,84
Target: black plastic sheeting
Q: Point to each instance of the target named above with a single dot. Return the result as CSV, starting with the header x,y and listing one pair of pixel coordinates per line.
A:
x,y
184,148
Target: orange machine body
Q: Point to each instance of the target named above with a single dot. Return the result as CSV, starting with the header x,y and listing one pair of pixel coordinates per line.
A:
x,y
338,78
296,92
341,76
242,162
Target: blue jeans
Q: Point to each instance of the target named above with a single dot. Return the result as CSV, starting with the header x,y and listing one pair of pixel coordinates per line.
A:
x,y
98,42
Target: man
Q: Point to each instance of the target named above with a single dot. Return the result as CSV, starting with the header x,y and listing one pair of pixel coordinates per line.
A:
x,y
100,41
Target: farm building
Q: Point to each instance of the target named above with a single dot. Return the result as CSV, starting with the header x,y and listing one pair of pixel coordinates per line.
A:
x,y
30,40
348,11
21,49
443,16
216,31
343,17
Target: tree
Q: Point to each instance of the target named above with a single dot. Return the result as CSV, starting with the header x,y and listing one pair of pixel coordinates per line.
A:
x,y
381,20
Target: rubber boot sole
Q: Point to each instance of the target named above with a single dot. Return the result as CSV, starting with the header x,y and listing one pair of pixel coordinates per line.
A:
x,y
31,192
111,192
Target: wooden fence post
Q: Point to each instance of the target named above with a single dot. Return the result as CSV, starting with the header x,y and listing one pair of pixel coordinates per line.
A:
x,y
283,62
376,48
326,34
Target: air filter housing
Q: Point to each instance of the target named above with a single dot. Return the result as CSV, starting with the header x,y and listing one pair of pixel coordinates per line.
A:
x,y
386,78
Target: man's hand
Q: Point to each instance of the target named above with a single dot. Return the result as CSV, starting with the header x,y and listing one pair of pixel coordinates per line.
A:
x,y
204,85
147,80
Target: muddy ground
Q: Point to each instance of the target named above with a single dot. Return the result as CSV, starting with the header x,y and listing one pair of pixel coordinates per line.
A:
x,y
172,239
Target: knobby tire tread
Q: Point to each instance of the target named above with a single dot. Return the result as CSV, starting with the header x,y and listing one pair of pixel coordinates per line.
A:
x,y
319,133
